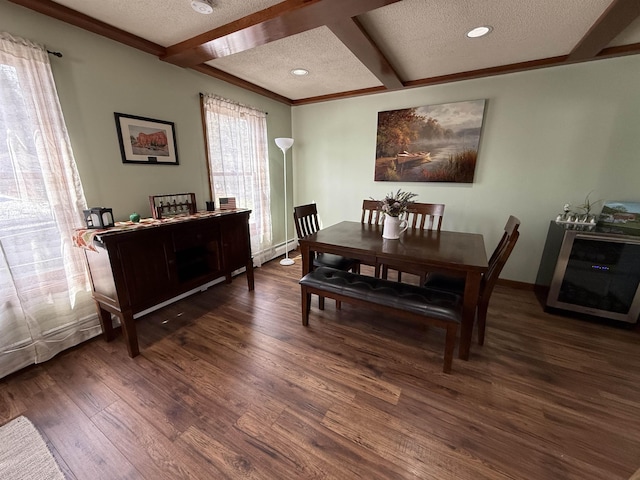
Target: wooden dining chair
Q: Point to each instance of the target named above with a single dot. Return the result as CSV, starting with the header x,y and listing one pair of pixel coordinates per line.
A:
x,y
372,214
425,216
497,261
305,218
421,216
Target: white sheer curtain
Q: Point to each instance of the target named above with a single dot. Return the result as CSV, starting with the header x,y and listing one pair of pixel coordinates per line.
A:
x,y
239,165
45,300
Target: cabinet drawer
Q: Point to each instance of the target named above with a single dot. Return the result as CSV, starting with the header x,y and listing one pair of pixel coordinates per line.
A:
x,y
195,236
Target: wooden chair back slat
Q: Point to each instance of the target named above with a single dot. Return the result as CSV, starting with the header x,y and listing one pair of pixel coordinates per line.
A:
x,y
500,256
305,218
371,213
425,216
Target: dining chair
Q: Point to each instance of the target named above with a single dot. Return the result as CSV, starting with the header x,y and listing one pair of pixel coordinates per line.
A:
x,y
425,216
438,281
305,218
372,214
421,216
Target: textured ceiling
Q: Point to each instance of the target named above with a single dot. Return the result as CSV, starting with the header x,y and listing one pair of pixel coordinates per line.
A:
x,y
353,47
332,67
165,22
432,41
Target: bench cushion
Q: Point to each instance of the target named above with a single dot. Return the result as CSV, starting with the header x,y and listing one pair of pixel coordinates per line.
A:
x,y
333,261
402,296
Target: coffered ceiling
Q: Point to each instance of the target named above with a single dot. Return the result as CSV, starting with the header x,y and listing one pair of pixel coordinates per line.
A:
x,y
358,47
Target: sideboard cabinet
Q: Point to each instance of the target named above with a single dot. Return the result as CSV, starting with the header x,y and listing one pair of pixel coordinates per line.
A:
x,y
136,269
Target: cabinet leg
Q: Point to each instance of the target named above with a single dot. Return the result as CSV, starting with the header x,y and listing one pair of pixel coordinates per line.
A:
x,y
130,334
250,280
106,323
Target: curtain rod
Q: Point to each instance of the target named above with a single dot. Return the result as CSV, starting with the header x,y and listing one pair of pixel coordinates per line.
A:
x,y
232,101
27,43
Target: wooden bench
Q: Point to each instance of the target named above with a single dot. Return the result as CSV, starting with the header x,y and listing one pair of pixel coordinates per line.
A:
x,y
436,308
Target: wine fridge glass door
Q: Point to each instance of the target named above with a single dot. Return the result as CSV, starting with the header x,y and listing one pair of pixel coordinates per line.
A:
x,y
598,275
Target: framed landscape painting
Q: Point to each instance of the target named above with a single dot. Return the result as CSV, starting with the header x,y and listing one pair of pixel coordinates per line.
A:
x,y
620,217
433,143
146,140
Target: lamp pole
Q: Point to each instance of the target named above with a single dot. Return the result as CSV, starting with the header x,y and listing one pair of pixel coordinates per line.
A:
x,y
285,144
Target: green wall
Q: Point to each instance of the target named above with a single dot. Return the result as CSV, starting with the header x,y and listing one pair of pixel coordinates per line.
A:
x,y
97,77
550,137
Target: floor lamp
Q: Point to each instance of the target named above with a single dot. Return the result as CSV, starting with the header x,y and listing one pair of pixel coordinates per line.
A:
x,y
285,144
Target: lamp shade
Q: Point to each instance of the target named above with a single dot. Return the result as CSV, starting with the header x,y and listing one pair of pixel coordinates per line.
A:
x,y
284,143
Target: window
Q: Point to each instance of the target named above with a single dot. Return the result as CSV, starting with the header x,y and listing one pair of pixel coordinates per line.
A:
x,y
45,301
239,165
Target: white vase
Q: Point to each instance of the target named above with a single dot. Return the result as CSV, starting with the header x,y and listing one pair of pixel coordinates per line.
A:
x,y
393,227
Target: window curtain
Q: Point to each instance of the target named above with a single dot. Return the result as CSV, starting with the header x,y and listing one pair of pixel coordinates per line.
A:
x,y
236,138
45,298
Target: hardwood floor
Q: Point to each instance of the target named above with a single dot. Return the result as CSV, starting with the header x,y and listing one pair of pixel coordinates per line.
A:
x,y
229,384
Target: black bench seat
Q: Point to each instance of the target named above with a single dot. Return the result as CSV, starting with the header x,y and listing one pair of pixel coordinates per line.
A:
x,y
437,308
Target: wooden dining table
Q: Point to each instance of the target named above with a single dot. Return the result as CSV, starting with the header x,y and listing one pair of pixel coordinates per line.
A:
x,y
454,253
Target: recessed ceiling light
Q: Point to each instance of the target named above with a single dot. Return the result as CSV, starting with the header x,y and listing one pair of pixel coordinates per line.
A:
x,y
479,31
299,72
202,6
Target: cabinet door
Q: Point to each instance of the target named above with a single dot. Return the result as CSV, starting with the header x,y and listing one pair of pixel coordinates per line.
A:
x,y
235,242
146,270
197,252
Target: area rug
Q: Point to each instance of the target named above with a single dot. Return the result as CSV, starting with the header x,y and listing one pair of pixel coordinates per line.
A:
x,y
24,454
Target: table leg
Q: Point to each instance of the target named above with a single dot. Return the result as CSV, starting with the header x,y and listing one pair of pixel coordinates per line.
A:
x,y
307,260
471,295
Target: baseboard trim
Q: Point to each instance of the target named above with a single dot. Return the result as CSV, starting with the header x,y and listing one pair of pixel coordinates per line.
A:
x,y
515,284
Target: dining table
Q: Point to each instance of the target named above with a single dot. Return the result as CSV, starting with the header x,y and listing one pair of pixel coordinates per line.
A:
x,y
454,253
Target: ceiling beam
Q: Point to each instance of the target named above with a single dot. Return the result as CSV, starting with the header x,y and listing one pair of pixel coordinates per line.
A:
x,y
274,23
238,82
618,16
454,77
355,38
619,51
73,17
610,52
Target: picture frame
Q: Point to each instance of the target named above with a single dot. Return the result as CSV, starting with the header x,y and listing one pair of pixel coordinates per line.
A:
x,y
146,141
620,217
430,143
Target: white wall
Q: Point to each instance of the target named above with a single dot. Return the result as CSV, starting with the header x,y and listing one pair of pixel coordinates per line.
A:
x,y
550,137
97,77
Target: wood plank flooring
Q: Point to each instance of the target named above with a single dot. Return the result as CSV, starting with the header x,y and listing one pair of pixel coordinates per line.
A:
x,y
229,384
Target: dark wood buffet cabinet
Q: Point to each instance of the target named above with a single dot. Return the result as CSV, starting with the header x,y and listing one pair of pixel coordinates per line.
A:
x,y
136,269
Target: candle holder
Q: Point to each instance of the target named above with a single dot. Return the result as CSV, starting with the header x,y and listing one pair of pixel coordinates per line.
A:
x,y
172,205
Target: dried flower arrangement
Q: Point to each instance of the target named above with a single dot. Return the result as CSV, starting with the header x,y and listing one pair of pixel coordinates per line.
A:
x,y
395,204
